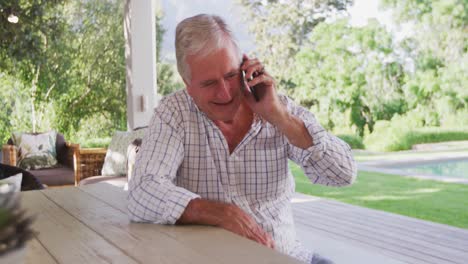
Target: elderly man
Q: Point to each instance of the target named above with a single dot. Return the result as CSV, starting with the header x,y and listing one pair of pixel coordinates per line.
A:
x,y
215,155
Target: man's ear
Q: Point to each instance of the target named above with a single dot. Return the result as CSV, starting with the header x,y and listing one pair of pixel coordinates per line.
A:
x,y
186,83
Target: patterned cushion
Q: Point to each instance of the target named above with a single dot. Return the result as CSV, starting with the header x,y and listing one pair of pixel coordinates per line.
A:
x,y
115,162
36,151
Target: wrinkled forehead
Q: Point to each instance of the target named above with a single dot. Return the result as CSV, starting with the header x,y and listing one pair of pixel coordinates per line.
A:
x,y
216,63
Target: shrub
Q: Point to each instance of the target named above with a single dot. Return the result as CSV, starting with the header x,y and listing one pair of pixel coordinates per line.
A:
x,y
96,143
389,138
388,133
430,135
355,142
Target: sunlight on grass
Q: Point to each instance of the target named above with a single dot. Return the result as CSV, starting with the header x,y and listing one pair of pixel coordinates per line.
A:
x,y
429,190
404,155
383,197
424,199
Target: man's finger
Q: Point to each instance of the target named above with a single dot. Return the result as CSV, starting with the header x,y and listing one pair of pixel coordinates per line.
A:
x,y
248,95
257,238
263,78
254,68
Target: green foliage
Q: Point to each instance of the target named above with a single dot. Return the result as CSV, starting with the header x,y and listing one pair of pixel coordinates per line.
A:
x,y
281,29
402,132
439,49
355,142
388,133
431,135
95,142
29,52
167,82
346,68
68,60
93,131
97,68
166,79
16,111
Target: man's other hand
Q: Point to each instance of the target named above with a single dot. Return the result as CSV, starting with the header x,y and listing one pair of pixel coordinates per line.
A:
x,y
239,222
227,216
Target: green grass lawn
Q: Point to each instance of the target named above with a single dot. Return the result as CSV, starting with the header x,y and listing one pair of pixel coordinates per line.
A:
x,y
402,155
435,201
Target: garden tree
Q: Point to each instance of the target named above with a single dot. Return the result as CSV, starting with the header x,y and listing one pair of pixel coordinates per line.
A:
x,y
165,71
69,59
352,71
439,26
439,47
15,106
97,74
281,28
29,51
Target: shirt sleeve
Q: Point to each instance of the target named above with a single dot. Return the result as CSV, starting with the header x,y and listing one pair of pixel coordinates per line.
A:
x,y
153,196
329,161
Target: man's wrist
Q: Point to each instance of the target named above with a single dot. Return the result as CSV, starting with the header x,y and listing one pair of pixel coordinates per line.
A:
x,y
202,211
281,119
296,132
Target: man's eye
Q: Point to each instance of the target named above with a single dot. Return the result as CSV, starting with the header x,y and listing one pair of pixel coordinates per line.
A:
x,y
207,84
230,76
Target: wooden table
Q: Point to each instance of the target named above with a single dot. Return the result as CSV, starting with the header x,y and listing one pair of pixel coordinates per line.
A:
x,y
89,225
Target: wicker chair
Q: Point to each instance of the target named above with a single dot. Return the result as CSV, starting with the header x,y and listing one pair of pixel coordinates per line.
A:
x,y
89,163
92,161
65,174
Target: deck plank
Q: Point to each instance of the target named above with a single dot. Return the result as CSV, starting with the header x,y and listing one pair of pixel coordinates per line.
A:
x,y
445,230
365,224
403,238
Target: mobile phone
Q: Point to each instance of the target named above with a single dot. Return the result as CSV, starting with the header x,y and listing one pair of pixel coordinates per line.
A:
x,y
252,89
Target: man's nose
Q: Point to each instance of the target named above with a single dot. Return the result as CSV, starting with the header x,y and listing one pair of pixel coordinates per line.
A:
x,y
224,92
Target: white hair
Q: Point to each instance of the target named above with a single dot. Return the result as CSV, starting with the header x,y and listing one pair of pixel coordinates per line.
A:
x,y
201,35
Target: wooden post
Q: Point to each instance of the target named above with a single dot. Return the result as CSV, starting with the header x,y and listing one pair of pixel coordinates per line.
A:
x,y
140,56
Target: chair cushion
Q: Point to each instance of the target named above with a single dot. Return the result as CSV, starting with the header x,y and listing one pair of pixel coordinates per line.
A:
x,y
115,162
36,151
114,180
55,176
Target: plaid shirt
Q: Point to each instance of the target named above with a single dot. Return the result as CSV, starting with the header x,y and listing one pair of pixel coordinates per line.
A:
x,y
185,156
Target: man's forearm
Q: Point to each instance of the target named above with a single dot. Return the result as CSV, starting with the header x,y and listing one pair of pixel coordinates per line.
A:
x,y
296,132
203,212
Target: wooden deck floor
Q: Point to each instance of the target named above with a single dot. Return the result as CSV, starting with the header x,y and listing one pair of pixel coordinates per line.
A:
x,y
353,234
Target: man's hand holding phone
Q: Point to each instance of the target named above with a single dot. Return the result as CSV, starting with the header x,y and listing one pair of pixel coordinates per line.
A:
x,y
260,91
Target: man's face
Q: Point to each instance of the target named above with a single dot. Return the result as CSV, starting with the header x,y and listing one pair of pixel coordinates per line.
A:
x,y
215,84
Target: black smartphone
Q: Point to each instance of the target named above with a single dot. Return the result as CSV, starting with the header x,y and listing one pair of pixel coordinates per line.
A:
x,y
252,89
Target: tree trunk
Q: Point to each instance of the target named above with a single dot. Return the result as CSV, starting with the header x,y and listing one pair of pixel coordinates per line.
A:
x,y
33,99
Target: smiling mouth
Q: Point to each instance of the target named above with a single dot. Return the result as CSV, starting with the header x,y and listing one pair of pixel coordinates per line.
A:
x,y
221,104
